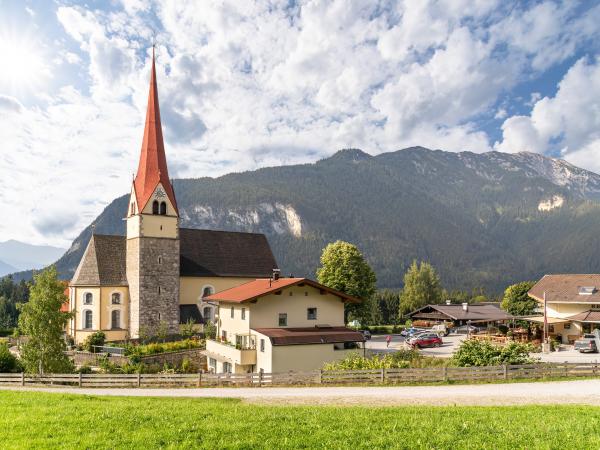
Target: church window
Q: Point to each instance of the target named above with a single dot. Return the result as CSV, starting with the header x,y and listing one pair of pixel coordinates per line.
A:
x,y
132,209
116,298
160,259
116,319
88,298
155,207
159,289
207,313
207,290
87,319
163,208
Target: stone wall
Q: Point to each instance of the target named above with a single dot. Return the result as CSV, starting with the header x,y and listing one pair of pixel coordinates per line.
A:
x,y
153,274
173,358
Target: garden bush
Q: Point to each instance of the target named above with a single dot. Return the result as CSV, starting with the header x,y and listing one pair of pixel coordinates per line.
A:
x,y
401,359
8,362
162,347
475,352
95,339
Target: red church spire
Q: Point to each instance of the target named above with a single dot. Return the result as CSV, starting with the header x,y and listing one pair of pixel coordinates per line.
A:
x,y
152,168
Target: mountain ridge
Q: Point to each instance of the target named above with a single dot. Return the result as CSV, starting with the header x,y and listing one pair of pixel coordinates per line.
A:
x,y
484,220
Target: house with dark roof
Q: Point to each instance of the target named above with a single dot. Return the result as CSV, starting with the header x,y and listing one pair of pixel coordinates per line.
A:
x,y
461,314
572,304
158,274
280,324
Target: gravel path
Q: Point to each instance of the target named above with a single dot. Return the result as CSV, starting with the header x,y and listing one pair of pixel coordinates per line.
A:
x,y
559,392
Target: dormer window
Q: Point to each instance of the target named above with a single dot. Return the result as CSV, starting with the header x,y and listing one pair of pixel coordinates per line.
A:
x,y
155,207
587,290
163,208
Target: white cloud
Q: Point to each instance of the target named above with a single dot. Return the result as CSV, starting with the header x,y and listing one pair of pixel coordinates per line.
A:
x,y
569,122
249,84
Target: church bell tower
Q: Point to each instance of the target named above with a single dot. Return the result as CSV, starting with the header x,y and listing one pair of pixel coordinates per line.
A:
x,y
153,233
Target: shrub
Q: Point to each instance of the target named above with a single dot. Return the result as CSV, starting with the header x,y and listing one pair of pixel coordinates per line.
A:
x,y
210,330
187,329
162,347
475,352
85,369
397,360
8,362
94,339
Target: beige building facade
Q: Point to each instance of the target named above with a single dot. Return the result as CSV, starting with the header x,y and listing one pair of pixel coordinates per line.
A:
x,y
278,325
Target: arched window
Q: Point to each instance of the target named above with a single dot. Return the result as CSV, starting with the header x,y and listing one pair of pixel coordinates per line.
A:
x,y
88,298
155,207
87,319
207,313
115,317
163,208
207,290
116,298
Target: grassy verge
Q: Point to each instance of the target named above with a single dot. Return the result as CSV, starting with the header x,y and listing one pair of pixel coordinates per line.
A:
x,y
38,420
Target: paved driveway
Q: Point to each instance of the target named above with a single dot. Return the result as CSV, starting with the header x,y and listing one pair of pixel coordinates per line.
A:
x,y
451,342
578,392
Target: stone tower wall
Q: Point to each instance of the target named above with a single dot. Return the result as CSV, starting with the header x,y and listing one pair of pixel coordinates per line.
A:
x,y
153,263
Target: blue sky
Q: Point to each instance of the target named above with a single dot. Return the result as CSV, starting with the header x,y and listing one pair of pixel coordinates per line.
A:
x,y
251,84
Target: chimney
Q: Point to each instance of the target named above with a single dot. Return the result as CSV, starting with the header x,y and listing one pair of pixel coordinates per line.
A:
x,y
276,273
465,306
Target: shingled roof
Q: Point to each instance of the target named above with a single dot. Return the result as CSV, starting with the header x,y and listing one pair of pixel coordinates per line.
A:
x,y
561,288
323,335
474,312
225,254
103,263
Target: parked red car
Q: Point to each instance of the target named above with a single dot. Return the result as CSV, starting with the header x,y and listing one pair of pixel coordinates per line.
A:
x,y
425,340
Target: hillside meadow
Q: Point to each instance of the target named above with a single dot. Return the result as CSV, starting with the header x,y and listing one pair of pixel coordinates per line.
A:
x,y
48,420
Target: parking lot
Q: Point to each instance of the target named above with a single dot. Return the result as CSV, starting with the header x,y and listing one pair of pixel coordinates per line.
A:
x,y
451,342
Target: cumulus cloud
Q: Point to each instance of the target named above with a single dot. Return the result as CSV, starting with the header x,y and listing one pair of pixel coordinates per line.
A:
x,y
249,84
567,124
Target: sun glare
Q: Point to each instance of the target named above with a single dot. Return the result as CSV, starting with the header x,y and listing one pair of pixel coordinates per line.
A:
x,y
21,66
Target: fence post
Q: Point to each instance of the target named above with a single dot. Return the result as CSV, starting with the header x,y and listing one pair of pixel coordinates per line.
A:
x,y
504,372
382,375
199,379
139,380
445,373
22,378
320,376
260,378
80,378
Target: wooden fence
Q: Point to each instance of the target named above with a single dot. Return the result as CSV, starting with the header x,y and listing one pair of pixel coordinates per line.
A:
x,y
356,377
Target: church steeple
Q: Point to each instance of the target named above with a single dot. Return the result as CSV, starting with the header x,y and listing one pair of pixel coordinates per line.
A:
x,y
152,168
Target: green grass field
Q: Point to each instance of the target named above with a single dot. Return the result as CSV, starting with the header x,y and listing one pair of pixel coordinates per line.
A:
x,y
40,420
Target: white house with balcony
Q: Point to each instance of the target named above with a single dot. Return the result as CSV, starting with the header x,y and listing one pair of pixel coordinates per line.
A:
x,y
279,324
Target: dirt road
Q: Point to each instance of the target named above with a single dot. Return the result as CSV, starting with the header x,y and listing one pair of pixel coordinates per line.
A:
x,y
559,392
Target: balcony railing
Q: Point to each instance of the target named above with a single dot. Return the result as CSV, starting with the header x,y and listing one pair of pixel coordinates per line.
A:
x,y
242,354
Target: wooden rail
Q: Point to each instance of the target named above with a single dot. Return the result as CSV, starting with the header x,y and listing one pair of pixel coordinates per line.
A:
x,y
362,377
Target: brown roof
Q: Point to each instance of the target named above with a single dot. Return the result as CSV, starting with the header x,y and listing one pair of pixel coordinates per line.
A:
x,y
292,336
103,263
264,286
586,316
225,254
562,288
456,312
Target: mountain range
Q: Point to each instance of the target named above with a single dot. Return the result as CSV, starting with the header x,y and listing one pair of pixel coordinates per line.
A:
x,y
483,220
15,255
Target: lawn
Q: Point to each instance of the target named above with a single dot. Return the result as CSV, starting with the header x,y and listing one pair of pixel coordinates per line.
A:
x,y
41,420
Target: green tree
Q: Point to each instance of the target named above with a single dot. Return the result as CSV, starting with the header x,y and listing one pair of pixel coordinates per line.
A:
x,y
8,362
94,340
516,301
343,267
42,321
421,287
388,303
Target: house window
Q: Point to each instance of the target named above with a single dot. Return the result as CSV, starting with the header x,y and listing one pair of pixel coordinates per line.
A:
x,y
311,313
223,335
212,363
132,209
597,306
262,345
226,367
243,313
232,312
567,326
291,293
87,319
88,298
155,207
283,319
115,317
116,298
207,313
163,208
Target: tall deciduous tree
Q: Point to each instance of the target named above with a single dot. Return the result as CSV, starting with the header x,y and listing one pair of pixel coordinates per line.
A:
x,y
516,301
343,267
421,287
42,321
